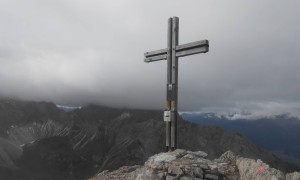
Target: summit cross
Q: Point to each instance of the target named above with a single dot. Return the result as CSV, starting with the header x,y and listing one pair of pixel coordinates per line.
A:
x,y
171,54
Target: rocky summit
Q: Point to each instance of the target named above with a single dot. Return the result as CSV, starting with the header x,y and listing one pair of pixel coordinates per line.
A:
x,y
187,165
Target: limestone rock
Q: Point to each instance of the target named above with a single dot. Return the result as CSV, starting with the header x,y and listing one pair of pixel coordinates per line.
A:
x,y
293,176
124,173
186,165
250,169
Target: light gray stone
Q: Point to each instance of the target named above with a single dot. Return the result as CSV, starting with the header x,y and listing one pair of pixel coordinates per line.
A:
x,y
190,178
228,156
200,154
186,169
164,157
293,176
212,166
248,170
198,172
189,156
171,178
175,170
203,166
158,162
179,153
212,176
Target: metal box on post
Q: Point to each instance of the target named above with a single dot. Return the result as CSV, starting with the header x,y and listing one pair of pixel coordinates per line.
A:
x,y
168,115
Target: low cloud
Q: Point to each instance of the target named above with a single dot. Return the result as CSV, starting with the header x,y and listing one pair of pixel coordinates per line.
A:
x,y
74,53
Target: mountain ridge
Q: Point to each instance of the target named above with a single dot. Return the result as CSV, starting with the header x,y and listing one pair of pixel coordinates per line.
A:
x,y
103,138
278,134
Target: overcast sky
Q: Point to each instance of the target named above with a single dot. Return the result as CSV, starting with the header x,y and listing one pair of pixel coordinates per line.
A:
x,y
76,52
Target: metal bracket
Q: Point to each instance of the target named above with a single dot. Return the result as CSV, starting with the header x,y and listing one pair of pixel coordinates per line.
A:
x,y
171,92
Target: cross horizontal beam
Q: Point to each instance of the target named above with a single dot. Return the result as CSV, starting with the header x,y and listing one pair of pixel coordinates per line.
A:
x,y
192,45
181,51
187,52
156,53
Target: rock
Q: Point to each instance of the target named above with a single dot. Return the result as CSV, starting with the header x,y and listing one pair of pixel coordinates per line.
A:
x,y
198,172
250,169
171,178
227,165
179,153
187,165
211,176
228,156
189,178
200,154
189,156
175,170
293,176
125,172
156,162
164,157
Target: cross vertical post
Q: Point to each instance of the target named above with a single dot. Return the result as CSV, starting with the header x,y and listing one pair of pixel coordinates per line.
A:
x,y
169,81
171,54
174,99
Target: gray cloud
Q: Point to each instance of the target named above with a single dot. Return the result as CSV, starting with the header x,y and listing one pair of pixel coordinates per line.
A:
x,y
74,52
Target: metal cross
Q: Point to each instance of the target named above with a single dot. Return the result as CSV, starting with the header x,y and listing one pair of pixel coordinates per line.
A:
x,y
171,54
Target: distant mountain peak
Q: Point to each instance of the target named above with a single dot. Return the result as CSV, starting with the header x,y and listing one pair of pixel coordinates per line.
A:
x,y
240,115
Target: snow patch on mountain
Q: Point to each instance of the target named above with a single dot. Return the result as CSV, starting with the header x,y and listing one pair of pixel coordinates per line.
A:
x,y
67,108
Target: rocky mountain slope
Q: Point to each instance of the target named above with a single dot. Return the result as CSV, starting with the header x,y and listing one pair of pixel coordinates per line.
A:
x,y
40,141
278,134
187,165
